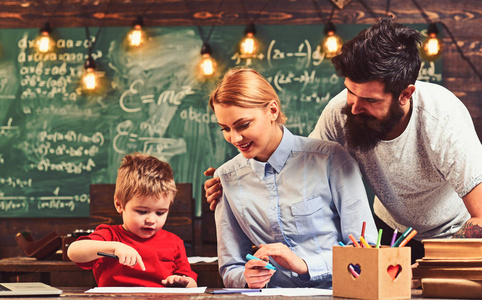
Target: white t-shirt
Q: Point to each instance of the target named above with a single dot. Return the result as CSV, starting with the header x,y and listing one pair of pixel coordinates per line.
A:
x,y
419,177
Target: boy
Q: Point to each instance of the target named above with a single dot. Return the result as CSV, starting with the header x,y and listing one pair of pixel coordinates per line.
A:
x,y
146,254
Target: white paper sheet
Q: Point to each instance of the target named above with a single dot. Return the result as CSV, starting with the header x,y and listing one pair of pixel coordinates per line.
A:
x,y
292,292
136,290
204,259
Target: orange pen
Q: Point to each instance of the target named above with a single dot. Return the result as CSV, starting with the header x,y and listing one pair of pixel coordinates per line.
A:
x,y
408,238
354,241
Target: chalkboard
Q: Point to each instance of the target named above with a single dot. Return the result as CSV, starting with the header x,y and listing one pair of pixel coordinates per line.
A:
x,y
56,140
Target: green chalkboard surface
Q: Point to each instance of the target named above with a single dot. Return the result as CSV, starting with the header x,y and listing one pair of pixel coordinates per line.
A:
x,y
56,140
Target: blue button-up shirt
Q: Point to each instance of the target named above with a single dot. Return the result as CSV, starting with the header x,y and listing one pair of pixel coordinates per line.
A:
x,y
309,196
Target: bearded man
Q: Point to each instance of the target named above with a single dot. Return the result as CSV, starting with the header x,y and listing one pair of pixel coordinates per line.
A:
x,y
415,142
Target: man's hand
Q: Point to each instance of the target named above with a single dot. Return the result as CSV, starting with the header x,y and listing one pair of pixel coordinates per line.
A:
x,y
473,227
213,188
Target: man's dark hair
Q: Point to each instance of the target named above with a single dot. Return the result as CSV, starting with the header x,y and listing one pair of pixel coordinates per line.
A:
x,y
386,52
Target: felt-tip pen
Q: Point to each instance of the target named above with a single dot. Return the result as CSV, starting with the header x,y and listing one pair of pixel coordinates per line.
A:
x,y
235,291
394,237
107,254
268,266
402,237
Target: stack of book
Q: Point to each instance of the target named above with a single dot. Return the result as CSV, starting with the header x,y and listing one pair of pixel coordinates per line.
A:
x,y
451,268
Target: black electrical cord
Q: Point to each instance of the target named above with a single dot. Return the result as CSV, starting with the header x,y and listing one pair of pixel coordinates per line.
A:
x,y
206,38
260,11
148,8
372,13
422,12
42,5
332,13
387,9
87,32
459,50
250,27
469,62
318,10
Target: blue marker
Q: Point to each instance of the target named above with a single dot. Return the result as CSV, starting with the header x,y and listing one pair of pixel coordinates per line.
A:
x,y
341,244
268,266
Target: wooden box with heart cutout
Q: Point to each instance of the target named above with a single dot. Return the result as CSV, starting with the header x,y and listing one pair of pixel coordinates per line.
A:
x,y
371,273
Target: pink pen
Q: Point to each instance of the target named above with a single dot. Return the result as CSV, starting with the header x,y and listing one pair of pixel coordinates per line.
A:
x,y
353,272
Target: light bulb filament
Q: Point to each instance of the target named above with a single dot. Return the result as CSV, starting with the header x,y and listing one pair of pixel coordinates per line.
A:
x,y
332,44
136,36
90,80
433,46
248,45
44,43
207,65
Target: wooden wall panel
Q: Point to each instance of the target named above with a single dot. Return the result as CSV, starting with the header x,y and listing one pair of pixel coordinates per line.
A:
x,y
464,18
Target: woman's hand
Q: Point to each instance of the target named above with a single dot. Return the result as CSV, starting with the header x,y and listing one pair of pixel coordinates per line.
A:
x,y
256,275
283,256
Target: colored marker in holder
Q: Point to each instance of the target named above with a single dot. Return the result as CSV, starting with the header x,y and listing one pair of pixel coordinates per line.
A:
x,y
354,241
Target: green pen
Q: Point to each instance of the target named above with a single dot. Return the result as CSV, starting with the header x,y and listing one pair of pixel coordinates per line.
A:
x,y
402,237
380,231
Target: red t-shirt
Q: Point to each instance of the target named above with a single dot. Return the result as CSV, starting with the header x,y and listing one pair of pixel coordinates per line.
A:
x,y
163,255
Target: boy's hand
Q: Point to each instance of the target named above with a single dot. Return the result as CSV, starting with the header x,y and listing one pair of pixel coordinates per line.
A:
x,y
256,275
213,188
176,280
129,256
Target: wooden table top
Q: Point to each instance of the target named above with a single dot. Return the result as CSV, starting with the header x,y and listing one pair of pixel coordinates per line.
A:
x,y
76,293
26,264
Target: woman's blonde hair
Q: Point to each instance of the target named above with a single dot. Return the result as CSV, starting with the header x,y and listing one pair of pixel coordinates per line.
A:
x,y
245,88
144,175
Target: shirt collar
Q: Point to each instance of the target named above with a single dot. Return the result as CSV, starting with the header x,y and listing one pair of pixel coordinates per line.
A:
x,y
279,157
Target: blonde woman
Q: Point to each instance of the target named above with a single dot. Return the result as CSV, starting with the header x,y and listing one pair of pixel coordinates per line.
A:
x,y
291,196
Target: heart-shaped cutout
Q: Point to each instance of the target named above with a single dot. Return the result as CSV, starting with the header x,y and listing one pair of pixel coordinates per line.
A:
x,y
393,271
354,270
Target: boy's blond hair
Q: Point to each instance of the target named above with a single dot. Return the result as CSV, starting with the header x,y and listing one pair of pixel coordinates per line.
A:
x,y
144,175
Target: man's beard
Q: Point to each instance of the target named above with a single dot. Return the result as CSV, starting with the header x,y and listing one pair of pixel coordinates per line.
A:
x,y
363,132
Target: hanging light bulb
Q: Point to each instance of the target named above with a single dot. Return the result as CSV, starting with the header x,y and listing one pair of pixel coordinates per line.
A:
x,y
44,42
208,64
331,44
249,45
137,36
89,79
432,47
